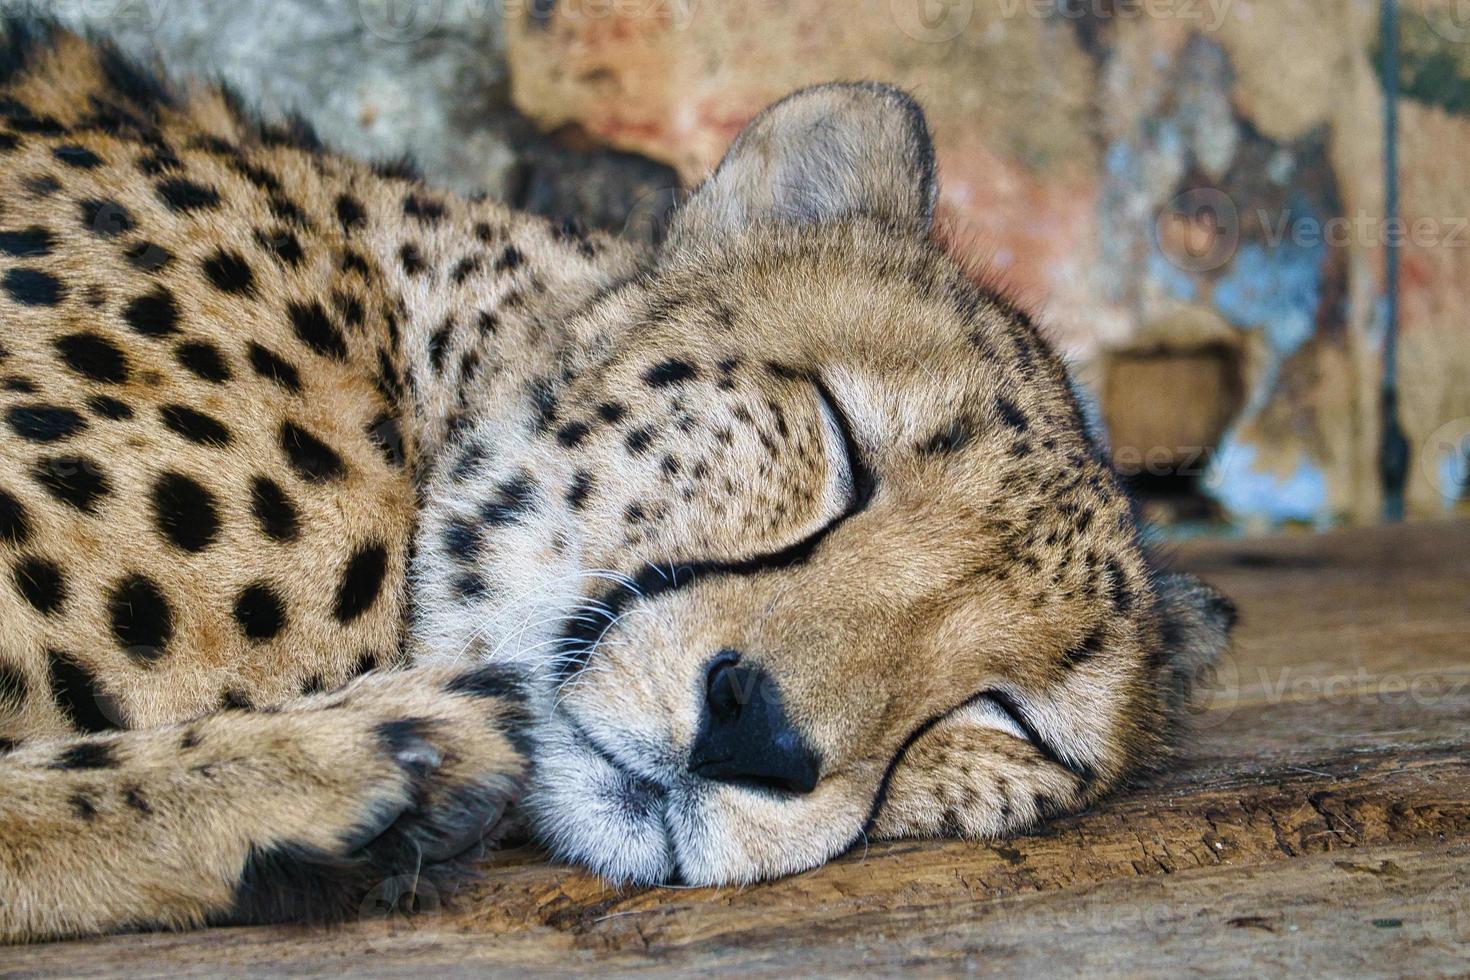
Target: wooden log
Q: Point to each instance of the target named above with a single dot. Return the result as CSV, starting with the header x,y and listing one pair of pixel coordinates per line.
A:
x,y
1318,821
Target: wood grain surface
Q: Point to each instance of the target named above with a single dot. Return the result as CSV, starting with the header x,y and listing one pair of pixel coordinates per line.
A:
x,y
1319,822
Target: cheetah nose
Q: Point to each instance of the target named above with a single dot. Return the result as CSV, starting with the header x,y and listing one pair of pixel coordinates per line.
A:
x,y
744,733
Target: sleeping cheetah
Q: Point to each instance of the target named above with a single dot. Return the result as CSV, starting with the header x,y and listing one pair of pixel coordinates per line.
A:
x,y
340,516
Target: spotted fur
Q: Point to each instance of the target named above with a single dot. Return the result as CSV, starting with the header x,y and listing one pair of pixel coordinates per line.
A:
x,y
785,534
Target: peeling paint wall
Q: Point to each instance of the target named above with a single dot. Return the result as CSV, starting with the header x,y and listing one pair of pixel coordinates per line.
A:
x,y
1146,173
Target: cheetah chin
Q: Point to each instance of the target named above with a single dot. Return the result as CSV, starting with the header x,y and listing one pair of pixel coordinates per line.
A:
x,y
341,517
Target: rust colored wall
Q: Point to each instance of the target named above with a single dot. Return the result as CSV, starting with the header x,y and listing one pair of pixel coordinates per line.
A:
x,y
1151,175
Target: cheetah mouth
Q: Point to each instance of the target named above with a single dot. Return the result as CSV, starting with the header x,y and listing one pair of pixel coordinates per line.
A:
x,y
588,806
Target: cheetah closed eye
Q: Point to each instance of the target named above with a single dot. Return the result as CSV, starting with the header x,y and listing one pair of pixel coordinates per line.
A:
x,y
709,560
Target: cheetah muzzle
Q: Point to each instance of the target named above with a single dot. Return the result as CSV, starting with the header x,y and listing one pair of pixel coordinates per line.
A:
x,y
342,517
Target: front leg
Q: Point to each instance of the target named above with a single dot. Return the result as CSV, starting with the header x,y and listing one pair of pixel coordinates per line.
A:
x,y
299,813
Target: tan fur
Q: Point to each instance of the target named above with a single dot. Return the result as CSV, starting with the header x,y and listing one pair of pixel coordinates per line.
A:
x,y
537,429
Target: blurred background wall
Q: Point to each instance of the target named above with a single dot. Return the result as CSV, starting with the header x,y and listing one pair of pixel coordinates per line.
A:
x,y
1188,192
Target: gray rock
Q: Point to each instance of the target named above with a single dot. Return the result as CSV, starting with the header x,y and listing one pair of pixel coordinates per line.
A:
x,y
380,79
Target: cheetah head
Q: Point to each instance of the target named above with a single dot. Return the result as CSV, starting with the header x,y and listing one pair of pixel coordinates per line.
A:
x,y
806,491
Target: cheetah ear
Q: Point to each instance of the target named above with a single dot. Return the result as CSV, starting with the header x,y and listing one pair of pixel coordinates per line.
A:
x,y
821,154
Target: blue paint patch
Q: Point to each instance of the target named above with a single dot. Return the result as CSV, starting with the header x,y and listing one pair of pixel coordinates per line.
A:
x,y
1454,475
1245,491
1176,281
1277,286
1121,160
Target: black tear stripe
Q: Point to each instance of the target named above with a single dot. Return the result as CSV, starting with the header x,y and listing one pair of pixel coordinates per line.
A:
x,y
582,634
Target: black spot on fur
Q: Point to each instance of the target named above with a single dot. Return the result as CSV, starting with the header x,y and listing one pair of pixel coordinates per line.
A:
x,y
639,440
260,612
41,584
153,314
952,438
159,162
41,185
24,386
87,755
93,356
83,807
288,211
1010,415
386,434
543,400
670,372
422,208
1121,595
273,368
572,434
258,176
401,167
15,520
78,694
229,272
469,586
32,287
350,212
512,500
106,218
315,330
273,510
75,480
234,699
510,259
32,242
465,268
283,244
439,345
361,582
148,256
461,539
104,406
133,797
611,412
44,423
204,360
293,132
411,259
490,681
195,426
77,156
142,621
313,460
185,512
1089,648
182,194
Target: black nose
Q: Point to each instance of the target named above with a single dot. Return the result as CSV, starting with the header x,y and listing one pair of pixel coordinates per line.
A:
x,y
744,734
